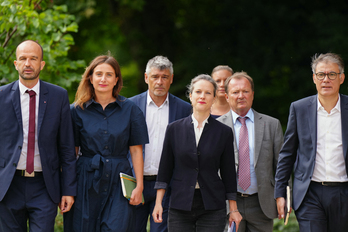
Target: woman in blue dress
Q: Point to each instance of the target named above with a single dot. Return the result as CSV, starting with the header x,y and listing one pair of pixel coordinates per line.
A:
x,y
106,127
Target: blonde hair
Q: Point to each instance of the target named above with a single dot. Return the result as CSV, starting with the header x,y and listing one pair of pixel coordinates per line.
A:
x,y
85,91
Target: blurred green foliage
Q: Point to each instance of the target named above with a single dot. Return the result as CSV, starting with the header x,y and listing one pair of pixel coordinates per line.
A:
x,y
46,23
271,40
292,225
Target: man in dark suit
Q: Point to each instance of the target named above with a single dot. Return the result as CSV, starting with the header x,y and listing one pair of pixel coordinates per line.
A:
x,y
265,138
160,108
315,147
37,161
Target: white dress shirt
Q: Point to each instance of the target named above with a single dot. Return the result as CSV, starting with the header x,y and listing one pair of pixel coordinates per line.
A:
x,y
329,161
25,99
157,119
198,130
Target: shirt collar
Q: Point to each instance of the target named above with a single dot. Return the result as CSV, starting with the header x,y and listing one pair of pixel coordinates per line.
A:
x,y
195,122
149,99
23,88
235,116
337,106
119,101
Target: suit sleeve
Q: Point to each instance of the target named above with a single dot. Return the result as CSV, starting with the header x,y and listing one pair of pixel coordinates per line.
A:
x,y
166,166
66,150
287,155
278,141
227,169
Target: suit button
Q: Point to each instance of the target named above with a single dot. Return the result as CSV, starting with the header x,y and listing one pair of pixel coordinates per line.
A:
x,y
196,169
14,164
20,147
198,153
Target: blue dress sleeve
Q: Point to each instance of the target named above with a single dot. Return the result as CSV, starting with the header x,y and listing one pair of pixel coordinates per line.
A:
x,y
138,127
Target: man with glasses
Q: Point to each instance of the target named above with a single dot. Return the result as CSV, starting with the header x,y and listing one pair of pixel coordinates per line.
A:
x,y
315,147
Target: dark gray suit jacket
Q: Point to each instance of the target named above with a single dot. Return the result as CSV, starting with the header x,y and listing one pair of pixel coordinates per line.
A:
x,y
268,141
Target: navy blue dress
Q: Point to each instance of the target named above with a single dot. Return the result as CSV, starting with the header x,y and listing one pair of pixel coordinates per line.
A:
x,y
104,137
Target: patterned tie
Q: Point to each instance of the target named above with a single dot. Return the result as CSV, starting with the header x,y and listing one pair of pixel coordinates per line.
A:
x,y
244,157
31,132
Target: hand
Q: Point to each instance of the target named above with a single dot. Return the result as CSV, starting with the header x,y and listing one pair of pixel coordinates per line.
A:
x,y
236,217
280,207
136,197
66,203
157,213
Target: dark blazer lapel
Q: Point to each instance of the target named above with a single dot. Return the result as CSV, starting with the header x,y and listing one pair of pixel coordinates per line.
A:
x,y
344,121
172,108
205,132
16,101
259,129
190,139
42,104
312,121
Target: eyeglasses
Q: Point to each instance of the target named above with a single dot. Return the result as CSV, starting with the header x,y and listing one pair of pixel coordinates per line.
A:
x,y
331,75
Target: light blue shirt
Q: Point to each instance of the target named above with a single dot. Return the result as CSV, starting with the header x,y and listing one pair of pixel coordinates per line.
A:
x,y
251,133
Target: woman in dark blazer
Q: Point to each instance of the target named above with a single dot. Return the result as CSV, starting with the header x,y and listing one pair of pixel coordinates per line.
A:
x,y
195,150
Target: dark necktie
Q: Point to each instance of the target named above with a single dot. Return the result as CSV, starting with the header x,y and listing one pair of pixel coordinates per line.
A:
x,y
31,132
244,156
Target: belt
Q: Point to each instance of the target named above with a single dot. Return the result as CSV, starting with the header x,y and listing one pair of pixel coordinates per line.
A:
x,y
150,178
246,195
331,183
26,174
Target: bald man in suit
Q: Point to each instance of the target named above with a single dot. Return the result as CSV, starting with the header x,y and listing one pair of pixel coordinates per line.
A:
x,y
37,160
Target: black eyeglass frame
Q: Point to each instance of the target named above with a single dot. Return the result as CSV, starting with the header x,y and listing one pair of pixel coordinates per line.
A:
x,y
332,74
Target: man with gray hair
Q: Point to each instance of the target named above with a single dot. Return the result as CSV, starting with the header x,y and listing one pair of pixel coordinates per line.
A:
x,y
160,108
315,148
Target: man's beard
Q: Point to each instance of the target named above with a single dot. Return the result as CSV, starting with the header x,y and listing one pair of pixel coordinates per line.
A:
x,y
34,76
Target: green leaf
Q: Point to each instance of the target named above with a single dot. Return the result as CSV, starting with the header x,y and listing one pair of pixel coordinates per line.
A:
x,y
4,69
56,36
5,3
36,22
73,27
62,8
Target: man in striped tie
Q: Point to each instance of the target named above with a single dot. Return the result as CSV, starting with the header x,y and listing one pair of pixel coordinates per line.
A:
x,y
258,139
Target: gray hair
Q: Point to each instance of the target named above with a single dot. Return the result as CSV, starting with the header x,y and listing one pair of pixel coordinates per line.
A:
x,y
200,77
159,62
222,67
327,58
238,76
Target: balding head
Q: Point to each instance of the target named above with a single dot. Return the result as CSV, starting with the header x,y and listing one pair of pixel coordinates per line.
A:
x,y
29,43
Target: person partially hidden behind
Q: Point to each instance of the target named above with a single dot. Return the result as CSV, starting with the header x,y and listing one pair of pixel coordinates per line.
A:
x,y
220,107
315,148
37,160
159,108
